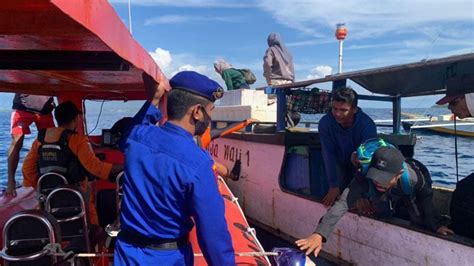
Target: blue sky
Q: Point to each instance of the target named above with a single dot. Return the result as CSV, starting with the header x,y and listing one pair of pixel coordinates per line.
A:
x,y
192,34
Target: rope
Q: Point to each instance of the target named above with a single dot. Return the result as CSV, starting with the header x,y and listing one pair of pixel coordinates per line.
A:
x,y
250,230
83,255
248,254
456,151
98,255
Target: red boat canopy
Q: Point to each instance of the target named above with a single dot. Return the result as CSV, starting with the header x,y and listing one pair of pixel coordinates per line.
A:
x,y
53,47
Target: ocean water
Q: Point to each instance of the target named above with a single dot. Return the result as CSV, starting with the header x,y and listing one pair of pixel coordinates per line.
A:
x,y
435,151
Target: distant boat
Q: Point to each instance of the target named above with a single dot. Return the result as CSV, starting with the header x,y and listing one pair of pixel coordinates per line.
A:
x,y
441,124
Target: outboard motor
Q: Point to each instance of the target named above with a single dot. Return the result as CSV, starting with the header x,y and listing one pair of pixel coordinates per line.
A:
x,y
47,183
67,205
26,237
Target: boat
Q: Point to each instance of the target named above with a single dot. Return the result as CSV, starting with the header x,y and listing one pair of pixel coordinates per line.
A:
x,y
281,188
442,124
78,50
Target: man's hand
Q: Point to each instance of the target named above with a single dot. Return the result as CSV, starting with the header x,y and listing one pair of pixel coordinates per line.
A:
x,y
443,230
114,172
331,196
363,206
251,120
153,90
354,160
313,243
11,189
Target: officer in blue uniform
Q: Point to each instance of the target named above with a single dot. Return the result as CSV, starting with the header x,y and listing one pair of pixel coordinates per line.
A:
x,y
169,179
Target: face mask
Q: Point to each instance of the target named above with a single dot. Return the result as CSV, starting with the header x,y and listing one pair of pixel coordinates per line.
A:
x,y
201,126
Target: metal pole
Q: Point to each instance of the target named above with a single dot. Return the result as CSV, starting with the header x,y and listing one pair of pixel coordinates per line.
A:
x,y
340,55
397,114
281,109
130,16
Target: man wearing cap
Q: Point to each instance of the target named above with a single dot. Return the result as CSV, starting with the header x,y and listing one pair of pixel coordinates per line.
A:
x,y
169,185
459,95
390,181
64,151
461,105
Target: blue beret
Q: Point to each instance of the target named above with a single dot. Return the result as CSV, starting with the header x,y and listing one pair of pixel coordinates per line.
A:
x,y
198,84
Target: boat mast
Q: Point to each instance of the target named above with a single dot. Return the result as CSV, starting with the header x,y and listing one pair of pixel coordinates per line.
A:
x,y
130,16
341,33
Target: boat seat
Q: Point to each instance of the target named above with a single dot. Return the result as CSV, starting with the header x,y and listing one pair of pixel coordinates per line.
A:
x,y
47,183
67,205
25,236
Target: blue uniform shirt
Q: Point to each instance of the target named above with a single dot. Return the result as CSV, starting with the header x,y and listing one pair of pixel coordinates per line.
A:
x,y
338,144
168,180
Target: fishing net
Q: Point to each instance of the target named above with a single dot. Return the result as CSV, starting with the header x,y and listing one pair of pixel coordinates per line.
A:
x,y
309,101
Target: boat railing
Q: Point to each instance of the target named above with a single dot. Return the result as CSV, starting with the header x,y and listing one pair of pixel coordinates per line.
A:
x,y
13,249
113,229
67,206
309,124
47,183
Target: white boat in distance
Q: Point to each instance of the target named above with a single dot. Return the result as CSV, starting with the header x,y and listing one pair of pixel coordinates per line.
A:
x,y
443,124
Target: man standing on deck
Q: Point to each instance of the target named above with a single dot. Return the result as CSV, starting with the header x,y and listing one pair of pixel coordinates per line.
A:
x,y
341,131
169,179
27,108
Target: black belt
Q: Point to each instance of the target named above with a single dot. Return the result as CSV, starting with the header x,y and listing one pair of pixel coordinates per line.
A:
x,y
153,243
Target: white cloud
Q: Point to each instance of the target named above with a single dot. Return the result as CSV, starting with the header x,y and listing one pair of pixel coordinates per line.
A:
x,y
368,18
162,58
319,72
310,42
175,19
370,46
171,63
202,69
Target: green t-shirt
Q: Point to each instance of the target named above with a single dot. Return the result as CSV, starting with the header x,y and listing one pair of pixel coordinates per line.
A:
x,y
233,78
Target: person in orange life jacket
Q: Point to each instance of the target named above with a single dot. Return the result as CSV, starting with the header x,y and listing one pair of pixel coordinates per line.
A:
x,y
169,185
27,108
390,178
341,131
209,135
75,161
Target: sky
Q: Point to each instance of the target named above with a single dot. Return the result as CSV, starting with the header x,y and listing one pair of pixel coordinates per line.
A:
x,y
192,34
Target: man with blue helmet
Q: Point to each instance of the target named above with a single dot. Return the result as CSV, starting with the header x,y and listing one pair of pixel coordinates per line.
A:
x,y
169,184
389,178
